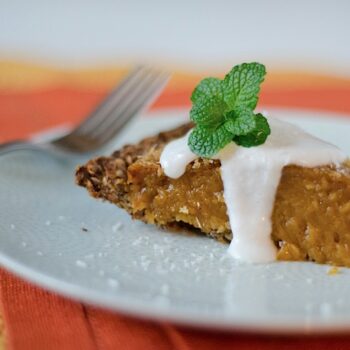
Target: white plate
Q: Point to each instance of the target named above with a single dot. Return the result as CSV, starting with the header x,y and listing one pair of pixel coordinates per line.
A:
x,y
144,271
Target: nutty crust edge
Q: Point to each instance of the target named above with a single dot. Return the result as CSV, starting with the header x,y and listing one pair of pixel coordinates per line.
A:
x,y
106,177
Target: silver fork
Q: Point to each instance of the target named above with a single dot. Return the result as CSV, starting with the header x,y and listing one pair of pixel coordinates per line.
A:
x,y
132,95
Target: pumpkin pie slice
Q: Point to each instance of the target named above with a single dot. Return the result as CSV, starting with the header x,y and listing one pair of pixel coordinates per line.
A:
x,y
310,219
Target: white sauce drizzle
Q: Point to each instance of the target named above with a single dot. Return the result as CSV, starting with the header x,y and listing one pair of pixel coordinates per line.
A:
x,y
250,178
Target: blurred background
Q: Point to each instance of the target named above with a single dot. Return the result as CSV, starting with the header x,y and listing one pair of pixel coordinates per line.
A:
x,y
59,58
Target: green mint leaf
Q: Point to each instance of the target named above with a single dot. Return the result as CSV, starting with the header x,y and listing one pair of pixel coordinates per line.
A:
x,y
240,124
223,111
207,142
208,112
242,85
258,136
207,88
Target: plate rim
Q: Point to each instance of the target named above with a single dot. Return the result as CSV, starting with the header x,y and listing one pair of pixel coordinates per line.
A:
x,y
132,307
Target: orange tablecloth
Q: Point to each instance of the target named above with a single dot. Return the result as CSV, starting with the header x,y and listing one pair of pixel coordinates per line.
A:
x,y
33,98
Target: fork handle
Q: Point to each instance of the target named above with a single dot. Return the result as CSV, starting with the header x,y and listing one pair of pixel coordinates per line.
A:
x,y
17,145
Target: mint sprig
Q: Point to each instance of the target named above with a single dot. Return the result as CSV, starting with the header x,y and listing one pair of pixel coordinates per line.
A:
x,y
223,111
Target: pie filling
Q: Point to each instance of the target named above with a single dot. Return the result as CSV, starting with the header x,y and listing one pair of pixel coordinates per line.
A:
x,y
250,177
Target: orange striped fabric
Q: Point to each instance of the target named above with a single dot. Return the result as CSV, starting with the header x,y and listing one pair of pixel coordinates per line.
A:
x,y
33,97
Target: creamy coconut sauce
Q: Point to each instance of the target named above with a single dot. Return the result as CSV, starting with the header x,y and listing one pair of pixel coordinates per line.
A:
x,y
250,178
